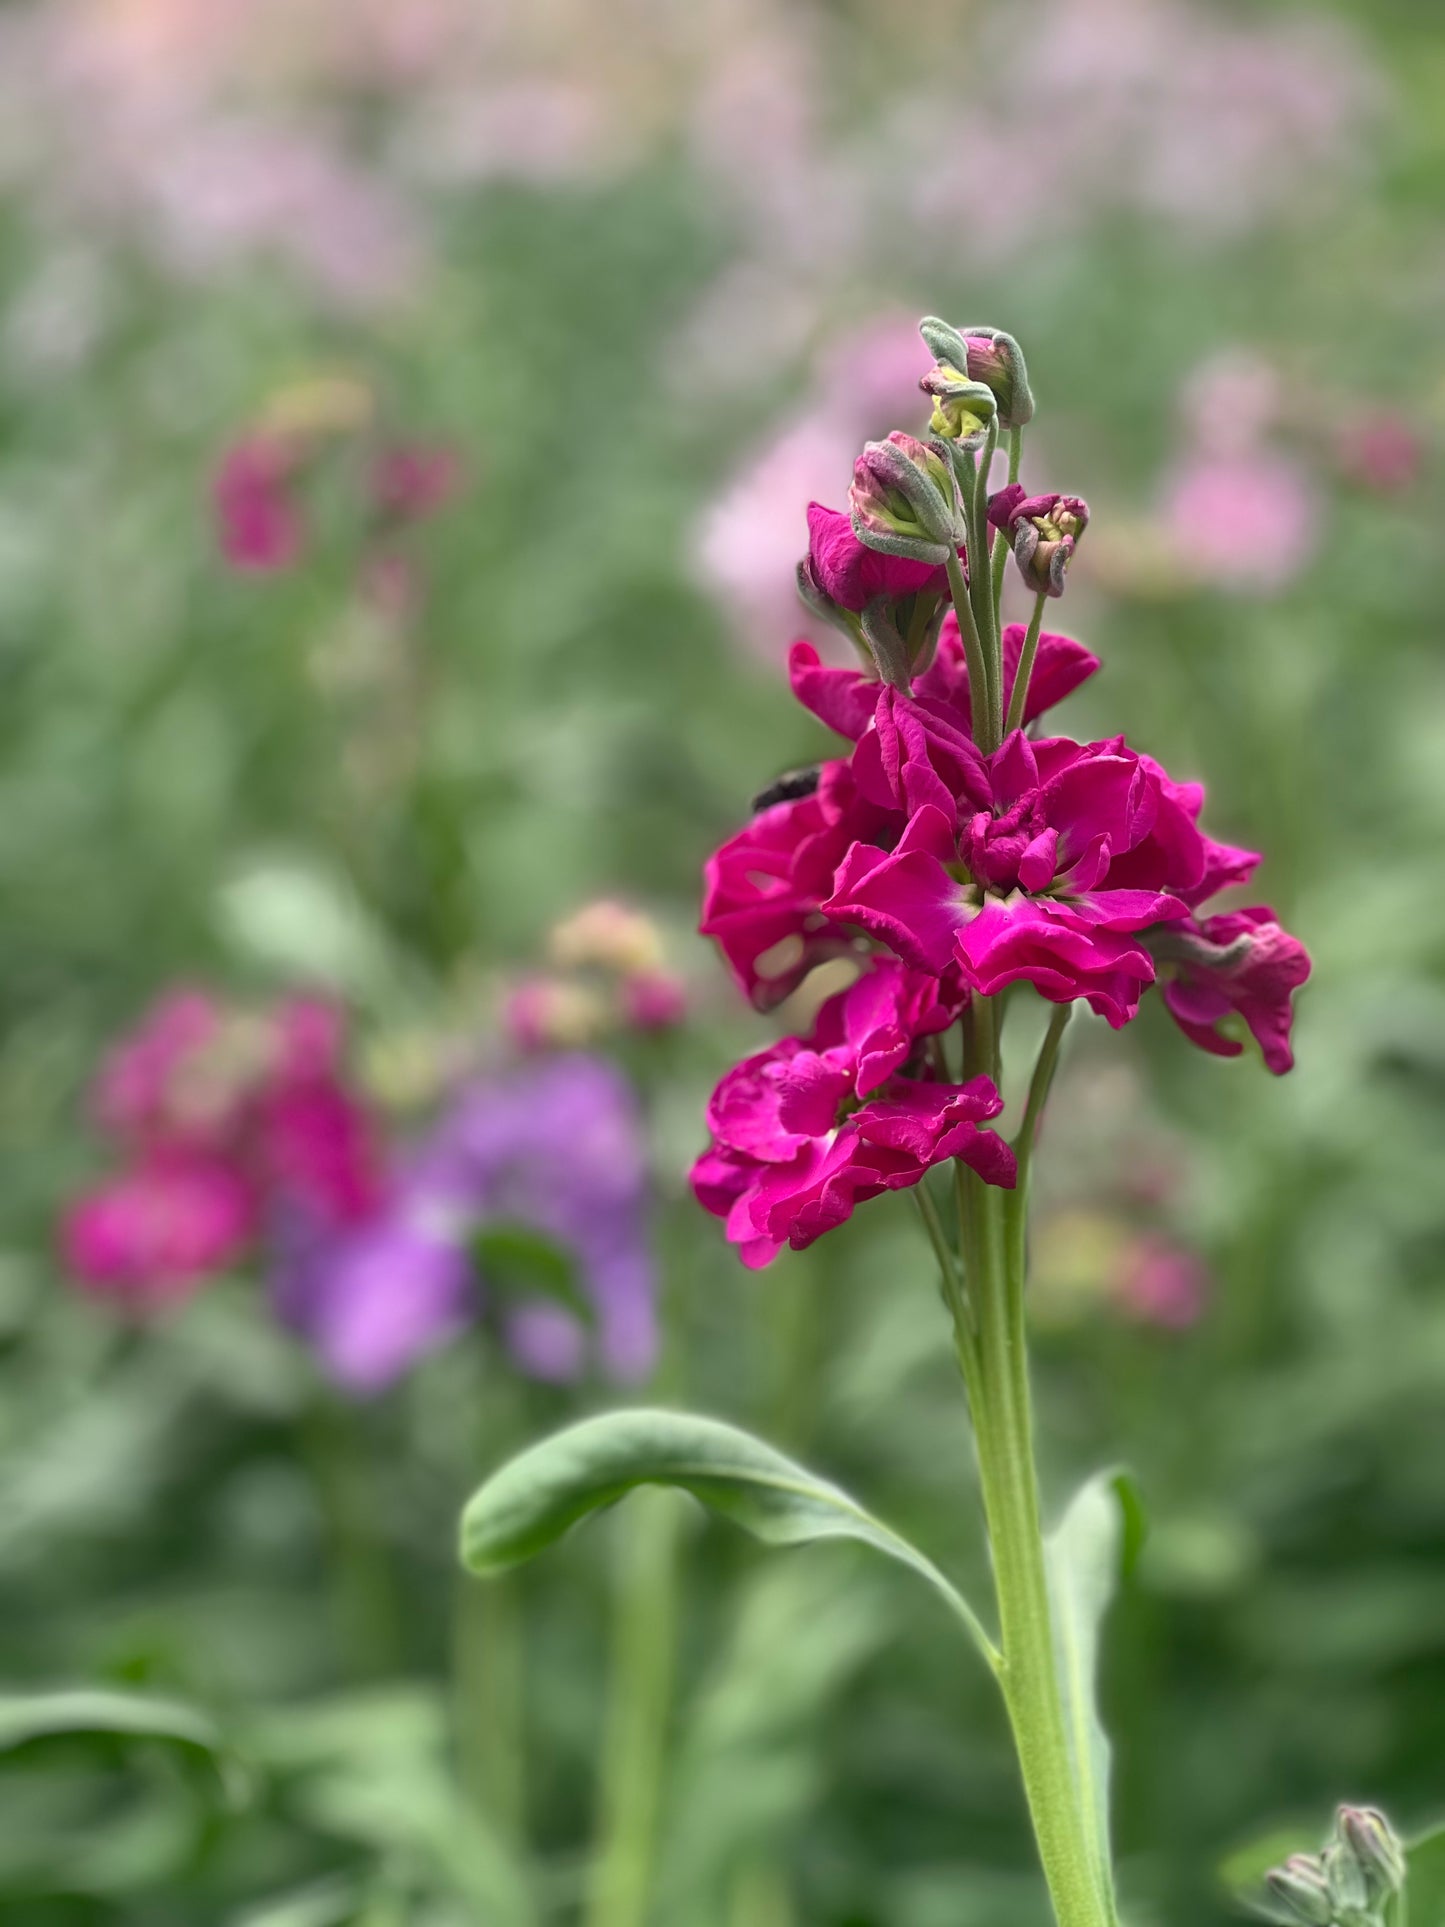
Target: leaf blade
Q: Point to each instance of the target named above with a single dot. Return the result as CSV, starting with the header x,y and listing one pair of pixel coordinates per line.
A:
x,y
530,1502
1083,1557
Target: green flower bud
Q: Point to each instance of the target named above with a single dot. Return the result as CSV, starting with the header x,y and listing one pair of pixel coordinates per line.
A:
x,y
962,409
1376,1860
902,500
987,356
1300,1892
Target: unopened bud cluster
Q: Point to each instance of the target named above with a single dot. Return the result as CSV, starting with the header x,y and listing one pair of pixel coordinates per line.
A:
x,y
1351,1883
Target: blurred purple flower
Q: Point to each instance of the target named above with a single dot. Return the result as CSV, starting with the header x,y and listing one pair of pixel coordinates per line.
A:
x,y
554,1147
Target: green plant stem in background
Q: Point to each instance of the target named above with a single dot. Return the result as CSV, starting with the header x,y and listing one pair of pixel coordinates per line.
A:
x,y
489,1670
366,1604
973,649
639,1688
993,1357
1025,672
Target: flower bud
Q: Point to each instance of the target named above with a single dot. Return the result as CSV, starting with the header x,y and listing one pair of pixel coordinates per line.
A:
x,y
1042,530
1300,1892
962,409
902,500
987,356
1364,1837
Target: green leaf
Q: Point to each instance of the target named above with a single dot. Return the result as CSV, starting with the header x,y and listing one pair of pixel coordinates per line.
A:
x,y
516,1259
1084,1557
1425,1885
536,1497
29,1719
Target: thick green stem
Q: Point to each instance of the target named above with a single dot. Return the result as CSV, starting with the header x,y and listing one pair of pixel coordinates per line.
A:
x,y
639,1686
978,681
1024,674
994,1360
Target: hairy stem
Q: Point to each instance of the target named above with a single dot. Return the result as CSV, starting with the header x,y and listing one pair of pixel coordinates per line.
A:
x,y
980,700
1000,547
1025,671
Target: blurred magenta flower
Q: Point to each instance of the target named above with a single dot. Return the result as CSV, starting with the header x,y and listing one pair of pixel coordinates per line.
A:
x,y
1380,449
258,525
150,1237
412,480
553,1148
223,1118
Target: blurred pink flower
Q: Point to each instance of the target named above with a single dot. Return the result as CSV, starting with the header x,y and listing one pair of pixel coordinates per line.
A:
x,y
1247,521
150,1237
411,480
754,534
257,523
226,1121
653,1000
1381,449
1162,1283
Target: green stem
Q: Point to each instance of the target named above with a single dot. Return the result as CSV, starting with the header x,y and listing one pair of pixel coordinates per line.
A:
x,y
1000,547
995,1370
640,1686
490,1675
978,683
980,579
1024,674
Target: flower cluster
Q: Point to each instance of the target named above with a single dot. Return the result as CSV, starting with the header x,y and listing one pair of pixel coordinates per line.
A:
x,y
608,972
225,1120
256,490
545,1163
950,860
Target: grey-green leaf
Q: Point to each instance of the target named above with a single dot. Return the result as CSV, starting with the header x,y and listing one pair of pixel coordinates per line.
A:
x,y
1084,1556
535,1498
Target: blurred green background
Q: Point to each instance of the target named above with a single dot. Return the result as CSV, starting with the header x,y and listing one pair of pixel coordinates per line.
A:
x,y
649,271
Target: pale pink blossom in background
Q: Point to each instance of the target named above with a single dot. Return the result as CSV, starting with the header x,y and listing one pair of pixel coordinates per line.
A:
x,y
1162,1283
1248,521
754,534
1231,401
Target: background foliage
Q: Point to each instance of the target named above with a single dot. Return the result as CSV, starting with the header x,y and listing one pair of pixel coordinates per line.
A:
x,y
605,262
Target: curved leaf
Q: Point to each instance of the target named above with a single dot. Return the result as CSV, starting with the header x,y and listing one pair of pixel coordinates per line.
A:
x,y
28,1719
1084,1556
536,1497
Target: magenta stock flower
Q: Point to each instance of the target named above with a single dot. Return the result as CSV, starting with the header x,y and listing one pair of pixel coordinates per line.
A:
x,y
853,575
1041,863
846,699
807,1129
764,888
1240,962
